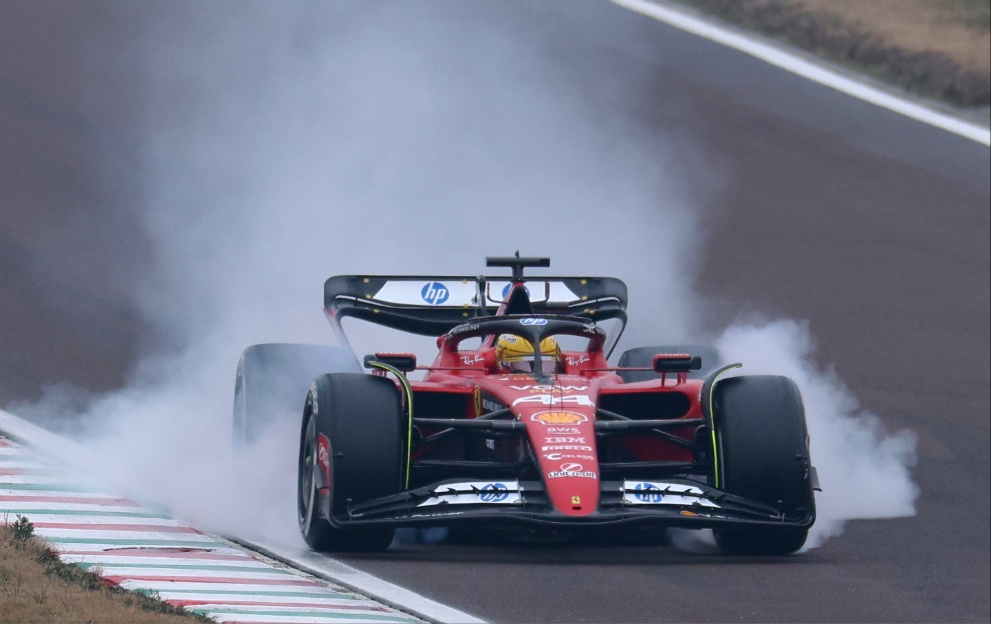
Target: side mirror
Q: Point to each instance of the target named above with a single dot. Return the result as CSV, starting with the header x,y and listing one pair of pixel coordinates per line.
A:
x,y
404,362
676,362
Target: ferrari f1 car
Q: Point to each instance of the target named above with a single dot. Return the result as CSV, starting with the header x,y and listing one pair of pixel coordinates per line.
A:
x,y
520,421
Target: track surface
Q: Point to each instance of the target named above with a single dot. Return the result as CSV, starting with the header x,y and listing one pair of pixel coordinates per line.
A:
x,y
873,227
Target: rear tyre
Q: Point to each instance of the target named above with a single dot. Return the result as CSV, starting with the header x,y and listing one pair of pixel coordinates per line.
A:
x,y
643,357
350,451
272,381
764,456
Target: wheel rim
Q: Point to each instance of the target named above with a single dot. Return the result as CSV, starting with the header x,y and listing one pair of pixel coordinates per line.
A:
x,y
308,482
240,407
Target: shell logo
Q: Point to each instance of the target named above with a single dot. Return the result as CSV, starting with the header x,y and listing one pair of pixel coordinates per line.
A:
x,y
558,418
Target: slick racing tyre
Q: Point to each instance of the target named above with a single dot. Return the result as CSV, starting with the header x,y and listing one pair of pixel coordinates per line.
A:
x,y
643,357
350,451
272,381
763,455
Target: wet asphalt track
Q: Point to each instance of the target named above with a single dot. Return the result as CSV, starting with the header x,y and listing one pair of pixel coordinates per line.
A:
x,y
873,227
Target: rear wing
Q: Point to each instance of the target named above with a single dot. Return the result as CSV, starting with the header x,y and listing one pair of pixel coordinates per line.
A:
x,y
433,305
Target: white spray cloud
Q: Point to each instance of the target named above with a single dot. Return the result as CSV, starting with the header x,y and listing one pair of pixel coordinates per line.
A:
x,y
404,142
863,470
292,142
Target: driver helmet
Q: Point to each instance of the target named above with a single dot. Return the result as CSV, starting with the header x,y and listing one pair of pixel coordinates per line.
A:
x,y
516,353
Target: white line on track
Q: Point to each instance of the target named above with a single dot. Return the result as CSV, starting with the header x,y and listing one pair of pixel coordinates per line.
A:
x,y
88,534
820,73
343,574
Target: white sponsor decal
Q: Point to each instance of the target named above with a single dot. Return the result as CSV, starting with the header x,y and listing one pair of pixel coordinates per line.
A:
x,y
475,492
659,493
468,360
565,440
548,399
563,430
451,293
435,293
565,447
575,361
585,475
494,493
549,388
647,493
562,456
533,321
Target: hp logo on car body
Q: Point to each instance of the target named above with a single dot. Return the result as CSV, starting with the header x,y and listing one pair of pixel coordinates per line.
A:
x,y
494,493
648,493
435,293
533,321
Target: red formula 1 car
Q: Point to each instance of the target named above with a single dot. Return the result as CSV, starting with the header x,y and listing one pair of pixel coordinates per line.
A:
x,y
520,421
